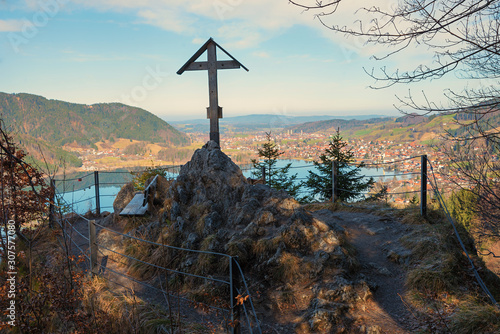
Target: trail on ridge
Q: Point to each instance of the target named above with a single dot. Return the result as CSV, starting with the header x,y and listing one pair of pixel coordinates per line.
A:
x,y
375,238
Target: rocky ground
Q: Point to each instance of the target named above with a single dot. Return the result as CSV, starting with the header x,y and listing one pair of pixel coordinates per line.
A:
x,y
375,239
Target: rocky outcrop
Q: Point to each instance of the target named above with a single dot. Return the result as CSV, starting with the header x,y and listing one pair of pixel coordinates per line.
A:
x,y
161,189
212,206
124,196
297,262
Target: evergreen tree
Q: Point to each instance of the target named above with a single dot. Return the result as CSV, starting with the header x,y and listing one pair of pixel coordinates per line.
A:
x,y
140,178
277,178
463,207
350,183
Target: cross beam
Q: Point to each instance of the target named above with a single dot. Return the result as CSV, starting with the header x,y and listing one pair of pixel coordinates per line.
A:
x,y
214,112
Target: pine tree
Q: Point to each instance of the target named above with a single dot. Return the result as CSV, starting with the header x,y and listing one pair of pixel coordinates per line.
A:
x,y
463,206
350,183
277,178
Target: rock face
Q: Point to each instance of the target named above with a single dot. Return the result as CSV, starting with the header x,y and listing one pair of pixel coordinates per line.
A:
x,y
299,261
125,195
211,185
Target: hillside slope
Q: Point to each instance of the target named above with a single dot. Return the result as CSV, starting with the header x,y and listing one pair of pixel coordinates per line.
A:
x,y
403,129
36,120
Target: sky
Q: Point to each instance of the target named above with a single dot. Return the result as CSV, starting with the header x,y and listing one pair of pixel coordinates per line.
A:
x,y
128,51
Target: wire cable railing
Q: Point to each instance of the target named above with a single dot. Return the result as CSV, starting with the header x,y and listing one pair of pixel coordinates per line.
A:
x,y
162,245
74,229
314,194
386,162
60,199
74,179
248,308
131,258
160,290
251,302
71,239
163,268
392,175
103,268
442,203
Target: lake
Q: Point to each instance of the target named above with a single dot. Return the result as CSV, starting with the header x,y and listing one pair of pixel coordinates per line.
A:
x,y
84,197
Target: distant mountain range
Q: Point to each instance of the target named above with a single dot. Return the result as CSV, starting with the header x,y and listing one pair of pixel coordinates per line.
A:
x,y
411,127
258,122
35,120
407,128
334,124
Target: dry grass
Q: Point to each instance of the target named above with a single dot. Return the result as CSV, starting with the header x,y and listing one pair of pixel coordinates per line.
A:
x,y
197,210
205,264
422,247
266,247
126,311
200,224
320,206
438,267
241,249
290,269
473,318
141,251
132,223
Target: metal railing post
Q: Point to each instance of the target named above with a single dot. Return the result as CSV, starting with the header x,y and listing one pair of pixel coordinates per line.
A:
x,y
334,182
423,185
93,248
235,307
97,197
264,174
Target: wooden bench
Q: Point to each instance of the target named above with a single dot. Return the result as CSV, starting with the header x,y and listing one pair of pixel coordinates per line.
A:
x,y
139,205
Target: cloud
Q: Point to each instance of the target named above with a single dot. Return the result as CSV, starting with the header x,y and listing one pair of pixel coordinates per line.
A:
x,y
198,41
261,54
83,58
240,23
244,24
168,19
11,25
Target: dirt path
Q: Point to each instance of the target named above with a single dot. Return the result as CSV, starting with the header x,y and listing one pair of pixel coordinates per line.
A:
x,y
111,265
79,234
374,237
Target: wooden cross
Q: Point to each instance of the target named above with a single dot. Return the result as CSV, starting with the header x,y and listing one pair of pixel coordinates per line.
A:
x,y
214,112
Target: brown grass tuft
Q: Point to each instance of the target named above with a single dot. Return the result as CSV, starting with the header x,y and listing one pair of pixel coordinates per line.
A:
x,y
289,269
473,318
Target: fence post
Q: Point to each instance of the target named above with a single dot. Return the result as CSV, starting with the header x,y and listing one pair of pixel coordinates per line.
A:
x,y
93,248
264,174
423,185
334,182
235,307
52,202
97,197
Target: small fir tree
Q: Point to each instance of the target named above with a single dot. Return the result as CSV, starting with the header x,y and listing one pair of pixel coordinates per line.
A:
x,y
277,178
140,178
463,207
350,183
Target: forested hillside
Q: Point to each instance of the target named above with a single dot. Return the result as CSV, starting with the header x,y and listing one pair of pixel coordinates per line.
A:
x,y
63,122
51,123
